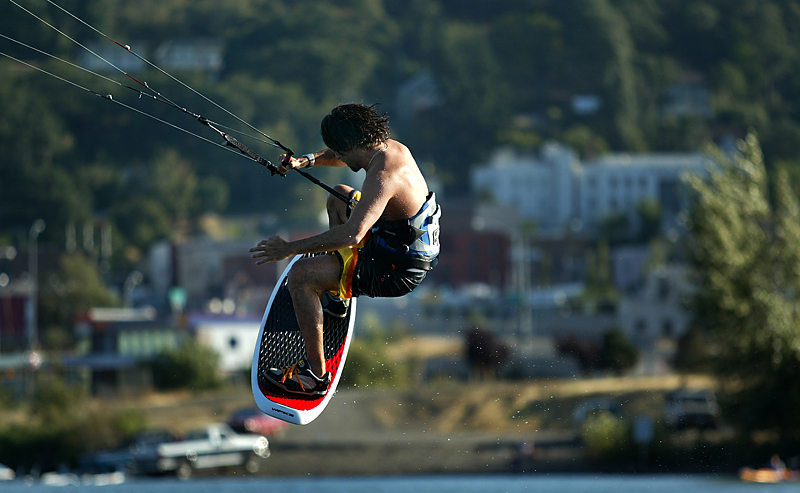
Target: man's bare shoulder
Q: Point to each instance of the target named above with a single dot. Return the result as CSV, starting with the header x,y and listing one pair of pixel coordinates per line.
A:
x,y
403,152
398,158
399,177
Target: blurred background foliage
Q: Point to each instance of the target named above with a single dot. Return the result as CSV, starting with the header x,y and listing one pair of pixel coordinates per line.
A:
x,y
744,247
503,74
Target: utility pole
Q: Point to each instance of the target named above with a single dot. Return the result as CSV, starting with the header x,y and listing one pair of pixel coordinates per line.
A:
x,y
524,283
33,271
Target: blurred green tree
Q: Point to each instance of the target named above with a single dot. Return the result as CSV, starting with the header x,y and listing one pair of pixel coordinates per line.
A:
x,y
70,291
191,366
744,248
607,438
617,353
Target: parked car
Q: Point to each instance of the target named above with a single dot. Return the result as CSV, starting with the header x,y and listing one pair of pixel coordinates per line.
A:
x,y
213,446
144,450
105,461
138,456
252,420
690,408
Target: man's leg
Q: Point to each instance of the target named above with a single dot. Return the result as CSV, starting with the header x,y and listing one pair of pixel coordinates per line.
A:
x,y
337,208
309,278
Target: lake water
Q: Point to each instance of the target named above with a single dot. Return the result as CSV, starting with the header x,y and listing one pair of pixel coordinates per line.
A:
x,y
573,483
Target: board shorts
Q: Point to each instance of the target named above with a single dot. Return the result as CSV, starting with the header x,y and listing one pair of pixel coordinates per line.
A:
x,y
372,270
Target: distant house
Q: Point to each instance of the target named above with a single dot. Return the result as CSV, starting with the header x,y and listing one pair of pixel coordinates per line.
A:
x,y
691,97
416,95
101,55
658,310
114,342
586,104
195,54
232,338
656,316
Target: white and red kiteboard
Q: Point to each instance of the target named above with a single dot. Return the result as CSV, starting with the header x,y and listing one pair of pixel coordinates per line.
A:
x,y
280,344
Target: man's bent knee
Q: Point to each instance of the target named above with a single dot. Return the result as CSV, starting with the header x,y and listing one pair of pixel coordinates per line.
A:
x,y
341,189
337,208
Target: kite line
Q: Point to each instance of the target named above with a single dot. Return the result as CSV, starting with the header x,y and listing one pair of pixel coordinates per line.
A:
x,y
231,143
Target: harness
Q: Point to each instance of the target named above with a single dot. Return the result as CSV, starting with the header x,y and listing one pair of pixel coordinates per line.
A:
x,y
413,243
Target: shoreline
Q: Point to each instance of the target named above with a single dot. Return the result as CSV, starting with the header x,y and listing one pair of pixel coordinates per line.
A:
x,y
424,457
484,428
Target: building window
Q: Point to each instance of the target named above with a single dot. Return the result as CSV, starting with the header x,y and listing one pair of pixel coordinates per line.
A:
x,y
667,328
663,289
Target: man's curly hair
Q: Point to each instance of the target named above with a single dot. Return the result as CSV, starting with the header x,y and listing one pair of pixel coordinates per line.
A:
x,y
350,126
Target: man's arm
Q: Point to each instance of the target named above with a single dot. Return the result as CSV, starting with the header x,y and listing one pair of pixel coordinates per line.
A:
x,y
319,158
374,197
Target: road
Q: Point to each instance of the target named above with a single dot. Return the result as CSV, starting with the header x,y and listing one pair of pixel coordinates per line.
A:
x,y
347,439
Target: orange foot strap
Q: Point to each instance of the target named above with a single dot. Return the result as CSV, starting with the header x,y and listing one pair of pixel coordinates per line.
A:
x,y
289,372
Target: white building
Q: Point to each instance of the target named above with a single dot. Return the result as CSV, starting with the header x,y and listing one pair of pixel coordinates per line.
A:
x,y
107,57
656,316
558,192
658,310
544,190
618,183
231,338
197,54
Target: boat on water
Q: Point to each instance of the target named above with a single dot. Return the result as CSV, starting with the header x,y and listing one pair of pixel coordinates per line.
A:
x,y
767,475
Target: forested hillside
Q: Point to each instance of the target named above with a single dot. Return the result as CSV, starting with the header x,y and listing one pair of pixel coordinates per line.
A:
x,y
497,73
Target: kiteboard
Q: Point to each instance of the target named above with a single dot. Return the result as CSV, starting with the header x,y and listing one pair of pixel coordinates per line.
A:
x,y
280,344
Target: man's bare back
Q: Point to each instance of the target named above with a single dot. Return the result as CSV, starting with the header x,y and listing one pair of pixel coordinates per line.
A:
x,y
399,172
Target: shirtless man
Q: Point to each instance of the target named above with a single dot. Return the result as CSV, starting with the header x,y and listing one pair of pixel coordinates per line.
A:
x,y
382,244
